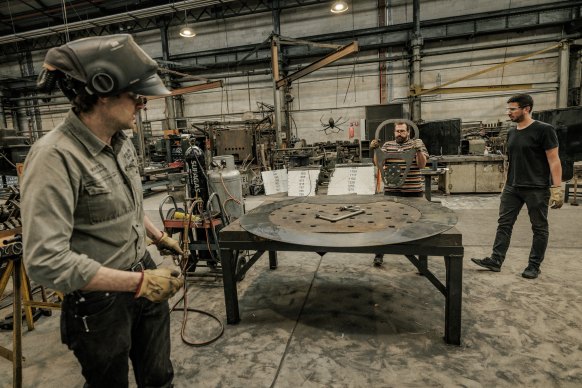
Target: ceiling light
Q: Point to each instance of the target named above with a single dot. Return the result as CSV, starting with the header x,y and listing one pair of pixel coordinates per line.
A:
x,y
187,32
339,6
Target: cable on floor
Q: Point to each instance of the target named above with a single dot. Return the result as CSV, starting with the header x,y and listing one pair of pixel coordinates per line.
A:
x,y
183,264
186,309
296,323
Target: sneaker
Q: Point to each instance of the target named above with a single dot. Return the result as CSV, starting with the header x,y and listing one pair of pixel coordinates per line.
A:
x,y
378,260
489,263
531,272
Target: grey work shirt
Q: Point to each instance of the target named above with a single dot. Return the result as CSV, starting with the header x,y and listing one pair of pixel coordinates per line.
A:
x,y
82,206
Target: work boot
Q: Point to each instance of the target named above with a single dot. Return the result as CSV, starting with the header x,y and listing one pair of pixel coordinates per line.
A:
x,y
489,263
378,259
531,272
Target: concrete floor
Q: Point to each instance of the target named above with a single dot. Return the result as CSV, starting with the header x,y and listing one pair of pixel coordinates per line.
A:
x,y
337,321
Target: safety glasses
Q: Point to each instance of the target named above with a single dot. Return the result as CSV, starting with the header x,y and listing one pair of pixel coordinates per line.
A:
x,y
513,109
137,98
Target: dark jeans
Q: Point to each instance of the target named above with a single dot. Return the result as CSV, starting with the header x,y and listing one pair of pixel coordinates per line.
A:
x,y
104,329
512,200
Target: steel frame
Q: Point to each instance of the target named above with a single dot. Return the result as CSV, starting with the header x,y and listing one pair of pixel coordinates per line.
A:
x,y
454,27
448,244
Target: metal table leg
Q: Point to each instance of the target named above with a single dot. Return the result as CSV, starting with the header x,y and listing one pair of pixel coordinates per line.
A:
x,y
273,259
453,298
228,261
427,187
423,264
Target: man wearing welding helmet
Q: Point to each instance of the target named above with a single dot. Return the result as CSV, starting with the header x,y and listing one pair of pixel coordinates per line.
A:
x,y
84,226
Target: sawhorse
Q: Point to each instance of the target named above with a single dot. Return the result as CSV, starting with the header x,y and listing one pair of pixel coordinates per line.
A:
x,y
21,297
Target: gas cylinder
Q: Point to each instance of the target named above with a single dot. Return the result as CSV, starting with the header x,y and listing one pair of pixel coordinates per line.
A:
x,y
225,180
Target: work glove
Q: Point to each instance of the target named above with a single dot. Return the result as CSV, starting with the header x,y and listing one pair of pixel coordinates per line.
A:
x,y
556,197
417,144
159,284
374,144
168,243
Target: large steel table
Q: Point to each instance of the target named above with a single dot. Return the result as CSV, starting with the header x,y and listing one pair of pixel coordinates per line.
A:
x,y
262,231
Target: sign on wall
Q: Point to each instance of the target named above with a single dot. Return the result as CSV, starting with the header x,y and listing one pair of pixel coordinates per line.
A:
x,y
274,181
352,179
302,183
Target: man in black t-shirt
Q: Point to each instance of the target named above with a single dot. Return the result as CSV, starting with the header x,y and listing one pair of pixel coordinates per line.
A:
x,y
534,178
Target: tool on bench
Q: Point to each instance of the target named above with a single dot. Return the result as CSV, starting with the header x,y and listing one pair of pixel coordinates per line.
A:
x,y
199,220
355,210
348,207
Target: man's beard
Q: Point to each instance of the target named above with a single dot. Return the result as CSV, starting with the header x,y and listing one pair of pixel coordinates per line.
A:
x,y
400,140
517,119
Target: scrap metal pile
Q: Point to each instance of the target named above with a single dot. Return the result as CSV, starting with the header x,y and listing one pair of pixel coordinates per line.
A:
x,y
10,210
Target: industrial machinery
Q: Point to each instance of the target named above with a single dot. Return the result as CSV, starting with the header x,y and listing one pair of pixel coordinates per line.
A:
x,y
568,125
484,139
323,154
13,151
204,213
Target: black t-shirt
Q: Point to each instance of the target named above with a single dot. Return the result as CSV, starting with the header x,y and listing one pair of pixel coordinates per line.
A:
x,y
526,149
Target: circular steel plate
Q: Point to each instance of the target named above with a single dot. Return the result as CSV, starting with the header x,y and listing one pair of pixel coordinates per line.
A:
x,y
385,220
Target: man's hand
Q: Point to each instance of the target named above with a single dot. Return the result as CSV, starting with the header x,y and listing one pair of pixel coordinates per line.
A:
x,y
417,144
159,284
168,243
556,197
374,144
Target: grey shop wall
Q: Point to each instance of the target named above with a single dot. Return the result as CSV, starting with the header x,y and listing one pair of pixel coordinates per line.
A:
x,y
323,92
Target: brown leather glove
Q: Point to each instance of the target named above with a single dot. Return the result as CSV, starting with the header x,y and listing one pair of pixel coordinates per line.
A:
x,y
168,243
556,197
159,284
374,144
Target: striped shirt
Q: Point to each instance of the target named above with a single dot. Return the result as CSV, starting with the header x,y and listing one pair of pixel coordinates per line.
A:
x,y
414,180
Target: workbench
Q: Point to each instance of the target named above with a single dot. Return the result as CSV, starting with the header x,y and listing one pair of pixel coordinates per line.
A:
x,y
428,174
573,186
447,244
472,173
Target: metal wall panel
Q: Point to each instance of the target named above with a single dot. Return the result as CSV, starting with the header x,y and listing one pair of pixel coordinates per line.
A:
x,y
375,114
236,142
441,137
568,125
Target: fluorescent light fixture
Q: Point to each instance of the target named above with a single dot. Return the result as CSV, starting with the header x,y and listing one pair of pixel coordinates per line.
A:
x,y
187,32
339,6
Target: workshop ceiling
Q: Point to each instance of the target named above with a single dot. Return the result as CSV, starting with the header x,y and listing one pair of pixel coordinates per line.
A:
x,y
19,16
29,19
28,26
25,20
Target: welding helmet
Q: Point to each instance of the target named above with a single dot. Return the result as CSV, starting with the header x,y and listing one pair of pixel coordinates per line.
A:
x,y
102,65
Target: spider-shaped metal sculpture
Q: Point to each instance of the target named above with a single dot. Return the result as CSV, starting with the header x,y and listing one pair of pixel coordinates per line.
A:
x,y
332,125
